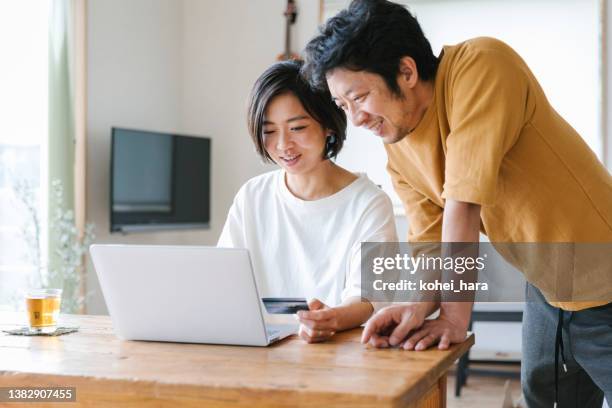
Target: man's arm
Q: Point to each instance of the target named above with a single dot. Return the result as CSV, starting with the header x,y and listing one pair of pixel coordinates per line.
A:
x,y
461,223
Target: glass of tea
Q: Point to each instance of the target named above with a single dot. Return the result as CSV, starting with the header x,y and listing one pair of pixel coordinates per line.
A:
x,y
43,307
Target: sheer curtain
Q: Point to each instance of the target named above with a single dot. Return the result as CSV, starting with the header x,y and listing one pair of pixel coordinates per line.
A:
x,y
23,120
67,116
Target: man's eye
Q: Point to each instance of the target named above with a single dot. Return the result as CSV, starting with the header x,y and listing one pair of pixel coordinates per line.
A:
x,y
298,128
359,98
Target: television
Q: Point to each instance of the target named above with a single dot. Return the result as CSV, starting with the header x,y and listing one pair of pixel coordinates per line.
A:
x,y
158,181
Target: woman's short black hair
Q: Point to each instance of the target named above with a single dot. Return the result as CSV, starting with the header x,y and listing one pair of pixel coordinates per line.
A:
x,y
371,36
284,77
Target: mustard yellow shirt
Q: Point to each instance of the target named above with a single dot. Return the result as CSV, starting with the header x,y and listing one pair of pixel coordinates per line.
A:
x,y
491,137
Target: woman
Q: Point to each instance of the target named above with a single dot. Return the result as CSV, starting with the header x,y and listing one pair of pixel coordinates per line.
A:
x,y
304,223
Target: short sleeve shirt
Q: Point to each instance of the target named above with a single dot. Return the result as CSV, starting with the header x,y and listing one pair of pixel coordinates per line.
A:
x,y
491,137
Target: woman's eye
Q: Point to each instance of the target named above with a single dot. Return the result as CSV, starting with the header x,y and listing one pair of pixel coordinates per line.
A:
x,y
267,132
298,128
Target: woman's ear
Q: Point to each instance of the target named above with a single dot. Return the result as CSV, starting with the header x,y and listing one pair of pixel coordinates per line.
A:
x,y
330,141
328,134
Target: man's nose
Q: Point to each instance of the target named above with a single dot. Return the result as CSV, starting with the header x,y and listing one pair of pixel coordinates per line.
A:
x,y
357,117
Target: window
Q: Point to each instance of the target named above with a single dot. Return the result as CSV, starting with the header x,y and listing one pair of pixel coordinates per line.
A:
x,y
558,39
23,136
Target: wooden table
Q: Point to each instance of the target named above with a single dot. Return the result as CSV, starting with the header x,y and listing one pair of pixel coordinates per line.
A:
x,y
109,372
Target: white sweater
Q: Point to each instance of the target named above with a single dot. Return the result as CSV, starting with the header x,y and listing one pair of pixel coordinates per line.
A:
x,y
303,248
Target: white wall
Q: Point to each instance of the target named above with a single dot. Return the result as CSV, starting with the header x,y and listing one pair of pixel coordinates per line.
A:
x,y
226,44
184,66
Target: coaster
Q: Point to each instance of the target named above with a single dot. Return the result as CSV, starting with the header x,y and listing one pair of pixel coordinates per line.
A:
x,y
25,331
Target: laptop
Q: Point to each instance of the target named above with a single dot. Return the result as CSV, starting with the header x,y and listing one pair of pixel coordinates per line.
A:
x,y
188,294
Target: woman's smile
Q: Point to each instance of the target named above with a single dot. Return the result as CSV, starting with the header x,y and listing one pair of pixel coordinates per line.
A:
x,y
290,160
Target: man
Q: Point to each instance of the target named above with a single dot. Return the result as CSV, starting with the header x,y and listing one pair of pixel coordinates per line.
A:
x,y
473,145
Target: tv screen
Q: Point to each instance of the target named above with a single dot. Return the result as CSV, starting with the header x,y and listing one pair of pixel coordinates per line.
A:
x,y
159,181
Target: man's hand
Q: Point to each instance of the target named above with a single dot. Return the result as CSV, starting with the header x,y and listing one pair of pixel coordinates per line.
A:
x,y
391,325
441,331
405,326
318,324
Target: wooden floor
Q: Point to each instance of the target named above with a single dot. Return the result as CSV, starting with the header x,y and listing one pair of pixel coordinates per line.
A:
x,y
481,391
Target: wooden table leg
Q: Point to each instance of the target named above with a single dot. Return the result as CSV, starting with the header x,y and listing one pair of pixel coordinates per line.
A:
x,y
442,390
435,397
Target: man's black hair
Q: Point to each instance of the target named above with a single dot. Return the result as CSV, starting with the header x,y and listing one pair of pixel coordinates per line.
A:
x,y
371,36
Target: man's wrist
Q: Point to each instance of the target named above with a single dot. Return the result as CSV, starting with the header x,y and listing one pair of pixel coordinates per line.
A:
x,y
424,309
459,313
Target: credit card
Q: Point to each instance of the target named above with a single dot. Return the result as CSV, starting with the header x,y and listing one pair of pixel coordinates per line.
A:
x,y
278,305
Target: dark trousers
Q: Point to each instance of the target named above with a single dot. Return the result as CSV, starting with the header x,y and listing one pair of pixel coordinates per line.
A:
x,y
587,340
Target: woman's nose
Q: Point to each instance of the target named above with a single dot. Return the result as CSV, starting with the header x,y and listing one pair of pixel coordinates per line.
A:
x,y
283,140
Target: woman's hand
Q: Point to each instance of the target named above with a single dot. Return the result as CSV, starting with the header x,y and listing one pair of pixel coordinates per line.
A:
x,y
318,324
